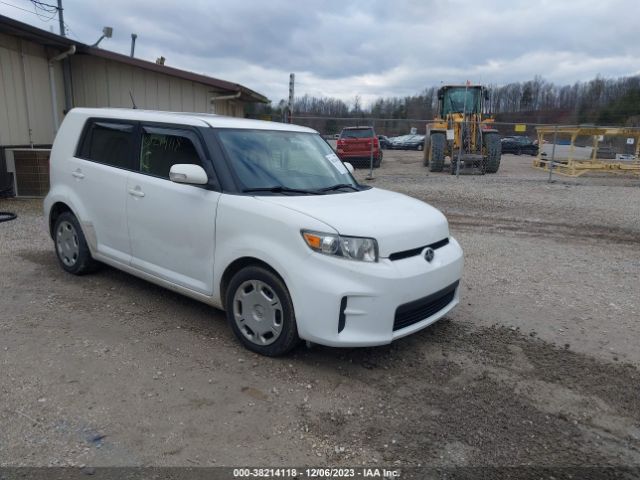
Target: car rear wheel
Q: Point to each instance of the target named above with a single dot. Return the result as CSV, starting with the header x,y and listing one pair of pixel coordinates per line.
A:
x,y
377,161
260,312
72,250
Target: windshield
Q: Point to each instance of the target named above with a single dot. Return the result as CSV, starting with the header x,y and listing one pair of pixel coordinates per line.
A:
x,y
458,100
279,162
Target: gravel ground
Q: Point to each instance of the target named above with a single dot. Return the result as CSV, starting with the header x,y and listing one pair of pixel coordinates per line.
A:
x,y
537,366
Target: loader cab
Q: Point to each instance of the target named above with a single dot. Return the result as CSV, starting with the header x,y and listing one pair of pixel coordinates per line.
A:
x,y
461,99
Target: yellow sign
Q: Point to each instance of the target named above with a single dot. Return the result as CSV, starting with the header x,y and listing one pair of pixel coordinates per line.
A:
x,y
521,128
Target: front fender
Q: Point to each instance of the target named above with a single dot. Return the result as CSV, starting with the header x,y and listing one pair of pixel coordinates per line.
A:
x,y
249,227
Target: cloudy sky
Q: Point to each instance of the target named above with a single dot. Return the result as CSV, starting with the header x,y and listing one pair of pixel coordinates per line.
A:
x,y
344,48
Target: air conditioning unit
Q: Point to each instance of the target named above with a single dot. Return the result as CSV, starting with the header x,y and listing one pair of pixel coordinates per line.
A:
x,y
30,168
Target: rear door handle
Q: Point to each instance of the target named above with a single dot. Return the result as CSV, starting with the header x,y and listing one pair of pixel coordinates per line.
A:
x,y
136,192
77,174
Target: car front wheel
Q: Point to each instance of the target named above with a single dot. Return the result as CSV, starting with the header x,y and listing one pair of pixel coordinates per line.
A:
x,y
260,312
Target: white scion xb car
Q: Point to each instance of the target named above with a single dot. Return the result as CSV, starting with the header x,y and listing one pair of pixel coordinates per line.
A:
x,y
259,219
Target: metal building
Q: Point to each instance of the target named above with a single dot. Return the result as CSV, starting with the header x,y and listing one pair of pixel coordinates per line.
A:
x,y
35,92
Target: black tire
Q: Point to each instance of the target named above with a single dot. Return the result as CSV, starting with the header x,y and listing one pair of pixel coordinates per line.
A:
x,y
377,161
81,262
425,152
493,152
420,147
437,144
483,165
288,337
7,216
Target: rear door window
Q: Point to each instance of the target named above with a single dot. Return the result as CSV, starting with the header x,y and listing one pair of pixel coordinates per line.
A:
x,y
109,142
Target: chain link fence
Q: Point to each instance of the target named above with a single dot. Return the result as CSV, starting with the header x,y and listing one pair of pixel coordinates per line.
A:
x,y
568,150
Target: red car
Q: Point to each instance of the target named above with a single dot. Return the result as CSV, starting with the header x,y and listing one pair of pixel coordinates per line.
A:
x,y
355,147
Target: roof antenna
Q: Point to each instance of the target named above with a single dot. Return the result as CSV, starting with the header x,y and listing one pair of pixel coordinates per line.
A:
x,y
132,100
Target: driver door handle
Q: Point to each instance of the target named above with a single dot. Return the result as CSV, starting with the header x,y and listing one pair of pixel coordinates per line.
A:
x,y
77,174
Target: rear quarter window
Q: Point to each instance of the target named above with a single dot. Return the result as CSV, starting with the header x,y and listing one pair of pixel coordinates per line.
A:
x,y
107,142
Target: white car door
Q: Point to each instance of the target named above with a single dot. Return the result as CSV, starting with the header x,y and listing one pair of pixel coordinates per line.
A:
x,y
98,173
171,225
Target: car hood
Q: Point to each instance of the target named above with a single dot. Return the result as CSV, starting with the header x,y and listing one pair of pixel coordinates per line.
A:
x,y
396,221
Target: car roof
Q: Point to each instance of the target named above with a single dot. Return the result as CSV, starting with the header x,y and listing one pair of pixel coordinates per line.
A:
x,y
187,118
356,128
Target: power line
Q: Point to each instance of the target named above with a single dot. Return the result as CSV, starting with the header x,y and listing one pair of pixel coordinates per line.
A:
x,y
66,25
19,8
42,4
32,12
71,31
44,19
46,8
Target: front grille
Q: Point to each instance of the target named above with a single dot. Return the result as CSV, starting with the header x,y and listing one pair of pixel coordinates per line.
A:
x,y
416,251
418,310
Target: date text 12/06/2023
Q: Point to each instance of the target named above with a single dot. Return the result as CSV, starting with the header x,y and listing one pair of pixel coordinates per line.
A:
x,y
320,472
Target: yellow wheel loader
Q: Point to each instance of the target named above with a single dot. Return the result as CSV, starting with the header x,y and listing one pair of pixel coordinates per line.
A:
x,y
463,132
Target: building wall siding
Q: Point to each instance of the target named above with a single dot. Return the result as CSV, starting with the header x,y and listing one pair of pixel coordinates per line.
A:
x,y
25,96
26,115
106,83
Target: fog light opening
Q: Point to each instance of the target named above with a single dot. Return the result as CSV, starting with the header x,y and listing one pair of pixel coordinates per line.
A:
x,y
341,317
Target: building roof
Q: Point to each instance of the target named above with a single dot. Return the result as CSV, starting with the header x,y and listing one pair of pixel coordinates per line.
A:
x,y
48,39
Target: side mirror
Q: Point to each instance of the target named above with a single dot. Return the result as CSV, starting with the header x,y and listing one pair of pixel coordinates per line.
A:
x,y
349,167
188,173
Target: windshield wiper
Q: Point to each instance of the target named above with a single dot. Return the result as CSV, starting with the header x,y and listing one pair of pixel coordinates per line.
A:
x,y
281,189
338,187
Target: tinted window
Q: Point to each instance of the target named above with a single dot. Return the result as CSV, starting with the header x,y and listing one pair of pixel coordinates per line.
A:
x,y
110,143
159,151
357,133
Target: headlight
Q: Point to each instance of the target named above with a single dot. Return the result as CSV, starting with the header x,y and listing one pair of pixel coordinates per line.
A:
x,y
354,248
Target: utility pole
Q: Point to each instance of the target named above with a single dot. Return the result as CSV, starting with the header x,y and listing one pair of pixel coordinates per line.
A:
x,y
61,18
292,81
66,66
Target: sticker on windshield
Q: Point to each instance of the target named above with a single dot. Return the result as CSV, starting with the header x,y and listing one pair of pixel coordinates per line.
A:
x,y
333,158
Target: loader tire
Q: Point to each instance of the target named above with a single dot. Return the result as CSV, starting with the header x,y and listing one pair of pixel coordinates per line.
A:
x,y
437,144
425,151
493,152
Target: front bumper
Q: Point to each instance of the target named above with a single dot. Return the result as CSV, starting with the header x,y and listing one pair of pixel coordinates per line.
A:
x,y
373,292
